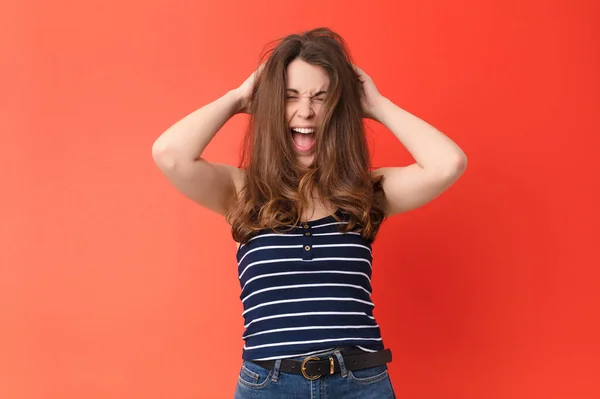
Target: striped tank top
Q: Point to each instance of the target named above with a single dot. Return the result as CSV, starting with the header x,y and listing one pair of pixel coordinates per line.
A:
x,y
306,291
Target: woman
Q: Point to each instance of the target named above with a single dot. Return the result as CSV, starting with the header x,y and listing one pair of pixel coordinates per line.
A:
x,y
304,209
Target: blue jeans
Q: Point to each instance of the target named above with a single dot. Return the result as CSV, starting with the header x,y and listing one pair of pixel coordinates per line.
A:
x,y
257,382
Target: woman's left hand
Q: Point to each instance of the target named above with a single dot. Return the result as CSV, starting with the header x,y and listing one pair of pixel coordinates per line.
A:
x,y
370,95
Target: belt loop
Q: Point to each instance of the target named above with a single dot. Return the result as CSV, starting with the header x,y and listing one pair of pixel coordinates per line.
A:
x,y
340,359
276,368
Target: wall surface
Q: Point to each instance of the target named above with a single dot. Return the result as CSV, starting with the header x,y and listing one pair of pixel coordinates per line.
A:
x,y
114,285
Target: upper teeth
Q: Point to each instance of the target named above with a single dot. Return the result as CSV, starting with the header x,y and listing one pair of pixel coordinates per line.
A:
x,y
304,130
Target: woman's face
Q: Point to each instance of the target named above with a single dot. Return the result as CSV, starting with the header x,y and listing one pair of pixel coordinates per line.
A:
x,y
306,88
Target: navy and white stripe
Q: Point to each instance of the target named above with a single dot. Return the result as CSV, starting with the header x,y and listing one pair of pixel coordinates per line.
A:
x,y
306,291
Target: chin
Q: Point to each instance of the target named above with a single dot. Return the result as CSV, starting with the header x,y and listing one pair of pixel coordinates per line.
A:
x,y
306,161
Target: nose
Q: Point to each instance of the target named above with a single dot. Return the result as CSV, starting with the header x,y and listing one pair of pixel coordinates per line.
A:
x,y
305,109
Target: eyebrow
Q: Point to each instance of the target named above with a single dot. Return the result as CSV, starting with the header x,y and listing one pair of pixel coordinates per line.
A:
x,y
314,95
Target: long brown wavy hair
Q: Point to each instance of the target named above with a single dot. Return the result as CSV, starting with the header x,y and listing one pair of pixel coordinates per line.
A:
x,y
278,187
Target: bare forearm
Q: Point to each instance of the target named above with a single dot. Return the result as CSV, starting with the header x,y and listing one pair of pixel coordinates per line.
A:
x,y
188,137
430,148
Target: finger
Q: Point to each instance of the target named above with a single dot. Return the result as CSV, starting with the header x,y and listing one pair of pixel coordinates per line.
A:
x,y
358,69
260,68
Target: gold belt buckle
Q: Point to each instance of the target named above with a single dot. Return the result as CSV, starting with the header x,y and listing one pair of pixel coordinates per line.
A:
x,y
314,377
303,368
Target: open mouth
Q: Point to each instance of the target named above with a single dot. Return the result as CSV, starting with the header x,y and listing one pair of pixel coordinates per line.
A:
x,y
304,138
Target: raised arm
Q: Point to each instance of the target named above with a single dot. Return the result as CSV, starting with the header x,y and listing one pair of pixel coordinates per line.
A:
x,y
178,151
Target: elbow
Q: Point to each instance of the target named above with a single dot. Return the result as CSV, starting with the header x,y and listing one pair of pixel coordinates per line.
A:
x,y
455,167
458,166
163,158
460,163
158,150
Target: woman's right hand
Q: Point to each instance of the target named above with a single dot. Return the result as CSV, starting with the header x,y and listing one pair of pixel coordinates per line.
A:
x,y
244,91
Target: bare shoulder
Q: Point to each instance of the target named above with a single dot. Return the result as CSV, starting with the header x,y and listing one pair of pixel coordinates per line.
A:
x,y
410,187
237,177
213,185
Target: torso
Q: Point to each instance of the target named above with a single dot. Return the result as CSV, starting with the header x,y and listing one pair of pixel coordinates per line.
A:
x,y
317,210
321,264
314,213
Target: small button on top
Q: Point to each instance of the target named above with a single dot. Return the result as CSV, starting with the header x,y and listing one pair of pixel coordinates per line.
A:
x,y
307,247
306,226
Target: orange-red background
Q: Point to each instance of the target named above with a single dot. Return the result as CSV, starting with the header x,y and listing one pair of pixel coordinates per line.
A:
x,y
113,285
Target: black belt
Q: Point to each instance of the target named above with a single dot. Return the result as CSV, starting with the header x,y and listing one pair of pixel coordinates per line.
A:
x,y
314,367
